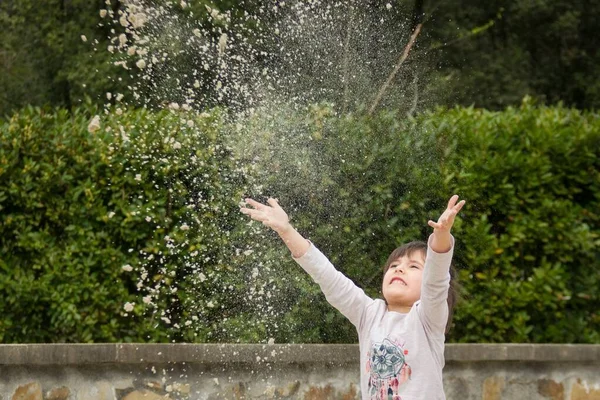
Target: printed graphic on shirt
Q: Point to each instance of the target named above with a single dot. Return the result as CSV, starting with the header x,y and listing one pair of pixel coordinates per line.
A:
x,y
387,369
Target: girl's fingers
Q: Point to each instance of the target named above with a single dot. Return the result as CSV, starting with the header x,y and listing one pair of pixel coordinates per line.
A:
x,y
273,202
452,201
256,215
434,225
460,205
255,204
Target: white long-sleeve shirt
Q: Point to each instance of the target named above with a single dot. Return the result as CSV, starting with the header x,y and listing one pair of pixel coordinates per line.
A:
x,y
401,355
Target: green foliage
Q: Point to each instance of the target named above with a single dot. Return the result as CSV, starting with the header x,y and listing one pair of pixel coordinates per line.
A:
x,y
77,207
530,237
488,54
527,241
544,49
45,60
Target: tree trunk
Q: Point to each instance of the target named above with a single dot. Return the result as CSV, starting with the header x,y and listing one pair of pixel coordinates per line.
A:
x,y
64,86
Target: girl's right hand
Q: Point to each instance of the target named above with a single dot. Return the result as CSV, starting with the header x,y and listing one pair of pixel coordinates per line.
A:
x,y
271,215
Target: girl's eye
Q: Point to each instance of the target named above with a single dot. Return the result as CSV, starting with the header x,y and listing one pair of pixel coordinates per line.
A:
x,y
414,266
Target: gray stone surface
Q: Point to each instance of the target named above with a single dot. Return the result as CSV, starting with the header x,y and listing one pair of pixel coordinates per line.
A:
x,y
324,372
81,354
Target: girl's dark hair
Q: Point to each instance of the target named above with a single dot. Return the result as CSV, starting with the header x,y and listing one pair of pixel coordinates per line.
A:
x,y
407,250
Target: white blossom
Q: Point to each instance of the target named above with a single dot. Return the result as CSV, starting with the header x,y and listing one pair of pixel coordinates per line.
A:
x,y
128,307
127,268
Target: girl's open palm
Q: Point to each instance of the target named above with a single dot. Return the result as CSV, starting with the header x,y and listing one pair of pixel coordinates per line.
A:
x,y
446,220
272,215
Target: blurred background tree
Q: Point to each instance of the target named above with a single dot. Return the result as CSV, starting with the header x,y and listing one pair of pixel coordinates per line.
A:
x,y
545,49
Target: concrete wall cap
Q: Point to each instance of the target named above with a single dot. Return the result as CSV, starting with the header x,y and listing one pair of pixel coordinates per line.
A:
x,y
337,354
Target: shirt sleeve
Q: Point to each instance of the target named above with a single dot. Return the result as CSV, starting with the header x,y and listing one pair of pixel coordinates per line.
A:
x,y
339,291
433,307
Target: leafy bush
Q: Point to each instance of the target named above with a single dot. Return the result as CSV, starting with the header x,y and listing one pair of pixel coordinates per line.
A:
x,y
527,241
530,252
77,207
158,191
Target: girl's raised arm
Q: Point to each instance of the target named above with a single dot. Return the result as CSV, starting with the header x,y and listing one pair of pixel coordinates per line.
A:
x,y
273,216
339,291
442,239
436,276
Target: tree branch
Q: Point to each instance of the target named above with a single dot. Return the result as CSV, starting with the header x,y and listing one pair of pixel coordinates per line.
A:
x,y
390,78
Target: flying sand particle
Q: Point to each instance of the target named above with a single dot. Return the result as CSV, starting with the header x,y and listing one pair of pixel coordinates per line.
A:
x,y
94,124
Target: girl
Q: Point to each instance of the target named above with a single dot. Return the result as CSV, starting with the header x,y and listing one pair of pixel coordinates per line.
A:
x,y
401,338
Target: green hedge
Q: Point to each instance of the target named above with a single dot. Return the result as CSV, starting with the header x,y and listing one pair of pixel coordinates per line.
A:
x,y
527,240
75,207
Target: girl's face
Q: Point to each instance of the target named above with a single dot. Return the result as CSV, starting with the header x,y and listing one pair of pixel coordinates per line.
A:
x,y
402,282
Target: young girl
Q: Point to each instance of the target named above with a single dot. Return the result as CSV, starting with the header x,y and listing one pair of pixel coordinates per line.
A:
x,y
402,338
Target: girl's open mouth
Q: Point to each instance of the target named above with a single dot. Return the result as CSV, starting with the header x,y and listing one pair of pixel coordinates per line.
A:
x,y
398,280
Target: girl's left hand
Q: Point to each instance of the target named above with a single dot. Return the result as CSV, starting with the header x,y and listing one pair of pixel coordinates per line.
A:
x,y
446,220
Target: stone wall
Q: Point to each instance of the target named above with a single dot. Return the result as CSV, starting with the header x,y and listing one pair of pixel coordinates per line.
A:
x,y
311,372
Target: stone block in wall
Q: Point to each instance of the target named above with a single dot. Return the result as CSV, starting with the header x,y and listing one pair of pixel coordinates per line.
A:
x,y
97,390
60,393
493,387
458,388
30,391
143,394
329,393
581,391
550,389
